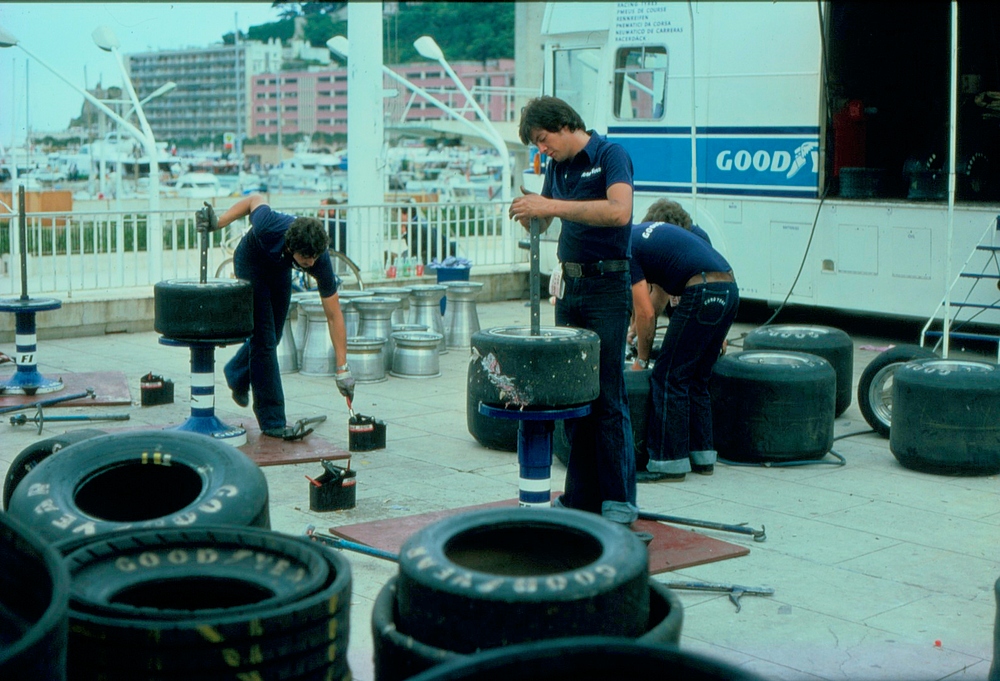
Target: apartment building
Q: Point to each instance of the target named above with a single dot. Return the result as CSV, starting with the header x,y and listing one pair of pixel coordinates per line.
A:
x,y
212,85
316,100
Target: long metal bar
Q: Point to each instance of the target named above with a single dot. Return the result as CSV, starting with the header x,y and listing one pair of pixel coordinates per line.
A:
x,y
46,403
22,230
338,543
534,277
758,535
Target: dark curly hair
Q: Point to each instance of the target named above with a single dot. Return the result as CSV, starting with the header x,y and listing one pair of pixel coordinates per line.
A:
x,y
307,237
665,210
548,113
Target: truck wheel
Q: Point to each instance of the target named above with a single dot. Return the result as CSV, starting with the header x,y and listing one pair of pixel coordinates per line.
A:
x,y
558,368
499,576
186,309
34,593
490,432
831,344
875,385
141,479
34,454
209,602
772,406
946,417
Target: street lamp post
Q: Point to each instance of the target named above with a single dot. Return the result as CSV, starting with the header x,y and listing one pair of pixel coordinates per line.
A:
x,y
105,39
429,49
8,40
339,46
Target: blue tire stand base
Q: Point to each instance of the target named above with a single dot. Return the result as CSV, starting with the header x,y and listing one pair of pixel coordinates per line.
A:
x,y
27,380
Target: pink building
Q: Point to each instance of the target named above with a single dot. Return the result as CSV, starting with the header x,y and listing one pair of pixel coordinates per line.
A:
x,y
316,101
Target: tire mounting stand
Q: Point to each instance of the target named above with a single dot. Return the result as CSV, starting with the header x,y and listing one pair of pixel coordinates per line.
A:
x,y
203,419
27,380
534,432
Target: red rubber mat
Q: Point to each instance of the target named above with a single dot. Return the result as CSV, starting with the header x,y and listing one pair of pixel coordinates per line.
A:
x,y
672,547
270,451
110,388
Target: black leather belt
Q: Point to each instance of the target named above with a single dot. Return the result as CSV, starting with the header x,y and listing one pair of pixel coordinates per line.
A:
x,y
593,269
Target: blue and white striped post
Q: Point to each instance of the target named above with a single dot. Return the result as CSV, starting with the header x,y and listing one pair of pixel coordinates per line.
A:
x,y
27,380
534,448
203,419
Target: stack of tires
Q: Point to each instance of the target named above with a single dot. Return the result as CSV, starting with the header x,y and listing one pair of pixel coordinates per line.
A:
x,y
169,565
493,578
34,592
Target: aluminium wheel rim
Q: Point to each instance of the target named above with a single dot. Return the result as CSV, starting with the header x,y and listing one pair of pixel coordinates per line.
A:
x,y
880,393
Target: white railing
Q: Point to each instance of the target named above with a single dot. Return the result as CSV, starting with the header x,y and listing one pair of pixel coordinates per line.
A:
x,y
104,253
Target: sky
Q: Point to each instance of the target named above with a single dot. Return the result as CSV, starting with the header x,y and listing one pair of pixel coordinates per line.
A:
x,y
60,35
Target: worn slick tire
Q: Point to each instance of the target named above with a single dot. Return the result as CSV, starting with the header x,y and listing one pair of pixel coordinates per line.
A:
x,y
34,592
186,309
141,479
211,602
499,576
875,384
34,454
399,656
640,405
769,405
490,432
586,658
831,344
946,417
557,368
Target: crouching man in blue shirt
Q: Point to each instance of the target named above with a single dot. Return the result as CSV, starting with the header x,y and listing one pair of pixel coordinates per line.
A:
x,y
668,260
265,256
588,184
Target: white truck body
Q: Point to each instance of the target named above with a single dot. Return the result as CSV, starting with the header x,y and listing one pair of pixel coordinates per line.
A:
x,y
745,88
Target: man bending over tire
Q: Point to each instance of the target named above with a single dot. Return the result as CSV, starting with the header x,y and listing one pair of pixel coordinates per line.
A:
x,y
668,260
265,256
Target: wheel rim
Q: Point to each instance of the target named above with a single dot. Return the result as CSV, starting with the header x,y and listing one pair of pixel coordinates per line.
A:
x,y
544,332
798,331
773,358
880,393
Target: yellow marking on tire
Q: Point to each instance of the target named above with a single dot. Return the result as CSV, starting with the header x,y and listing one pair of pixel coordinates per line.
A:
x,y
231,657
331,652
332,631
209,633
334,602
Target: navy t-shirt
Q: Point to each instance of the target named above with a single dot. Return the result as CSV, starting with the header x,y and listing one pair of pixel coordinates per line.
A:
x,y
266,240
668,255
587,176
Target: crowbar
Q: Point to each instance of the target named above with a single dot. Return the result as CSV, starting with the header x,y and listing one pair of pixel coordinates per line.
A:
x,y
758,535
338,543
734,590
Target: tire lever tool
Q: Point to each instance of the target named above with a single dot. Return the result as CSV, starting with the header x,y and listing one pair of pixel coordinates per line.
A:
x,y
300,430
734,590
338,543
758,535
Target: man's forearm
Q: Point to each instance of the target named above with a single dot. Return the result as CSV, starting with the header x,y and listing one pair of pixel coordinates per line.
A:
x,y
599,213
238,210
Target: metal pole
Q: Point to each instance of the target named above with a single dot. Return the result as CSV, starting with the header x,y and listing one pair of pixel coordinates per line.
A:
x,y
22,230
534,277
758,535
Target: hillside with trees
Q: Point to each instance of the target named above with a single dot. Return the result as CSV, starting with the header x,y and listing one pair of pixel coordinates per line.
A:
x,y
466,31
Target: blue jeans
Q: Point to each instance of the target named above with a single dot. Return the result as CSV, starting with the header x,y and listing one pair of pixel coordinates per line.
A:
x,y
679,433
600,477
255,365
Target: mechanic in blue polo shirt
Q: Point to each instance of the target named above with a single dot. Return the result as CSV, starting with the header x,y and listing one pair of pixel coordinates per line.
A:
x,y
265,256
668,260
588,185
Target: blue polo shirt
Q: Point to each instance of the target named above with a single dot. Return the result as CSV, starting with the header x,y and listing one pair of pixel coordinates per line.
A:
x,y
668,255
587,176
266,244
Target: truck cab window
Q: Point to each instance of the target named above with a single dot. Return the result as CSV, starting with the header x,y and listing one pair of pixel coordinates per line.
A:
x,y
640,83
575,79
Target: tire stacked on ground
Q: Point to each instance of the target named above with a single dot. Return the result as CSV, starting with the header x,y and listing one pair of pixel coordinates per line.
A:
x,y
946,417
831,344
207,604
995,667
219,309
492,578
34,592
875,385
400,656
586,658
772,406
34,454
141,479
511,368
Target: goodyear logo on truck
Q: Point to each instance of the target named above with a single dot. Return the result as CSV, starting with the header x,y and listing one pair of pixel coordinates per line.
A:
x,y
741,161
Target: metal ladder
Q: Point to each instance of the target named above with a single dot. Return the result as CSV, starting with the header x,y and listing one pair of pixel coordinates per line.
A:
x,y
989,244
